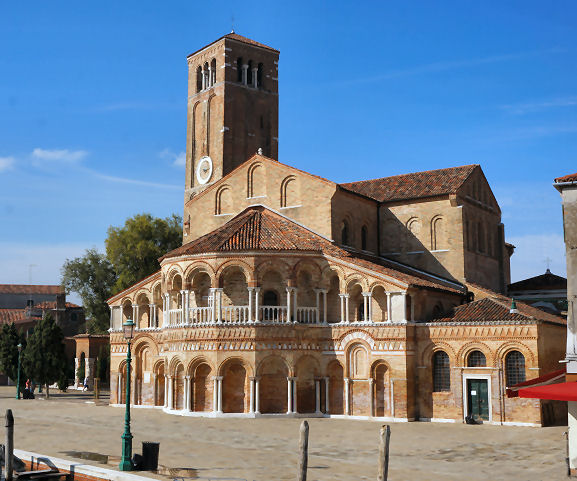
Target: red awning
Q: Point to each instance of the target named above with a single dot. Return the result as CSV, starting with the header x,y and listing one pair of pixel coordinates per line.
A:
x,y
565,391
552,377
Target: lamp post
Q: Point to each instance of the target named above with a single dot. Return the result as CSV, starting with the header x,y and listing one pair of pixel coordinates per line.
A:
x,y
18,377
125,461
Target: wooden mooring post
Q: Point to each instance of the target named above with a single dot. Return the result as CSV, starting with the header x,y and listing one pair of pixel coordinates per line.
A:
x,y
303,451
9,446
385,437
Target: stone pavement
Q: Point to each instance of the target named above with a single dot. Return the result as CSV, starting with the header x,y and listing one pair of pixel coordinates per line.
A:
x,y
69,426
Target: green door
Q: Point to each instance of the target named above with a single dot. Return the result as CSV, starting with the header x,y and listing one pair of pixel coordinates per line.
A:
x,y
478,398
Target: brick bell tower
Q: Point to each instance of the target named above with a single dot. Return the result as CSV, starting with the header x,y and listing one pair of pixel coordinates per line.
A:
x,y
232,108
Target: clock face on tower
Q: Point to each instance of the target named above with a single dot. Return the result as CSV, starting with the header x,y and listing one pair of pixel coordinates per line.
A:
x,y
204,170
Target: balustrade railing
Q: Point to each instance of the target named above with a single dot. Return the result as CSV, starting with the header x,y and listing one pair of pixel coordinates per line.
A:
x,y
175,317
307,315
273,314
199,315
235,314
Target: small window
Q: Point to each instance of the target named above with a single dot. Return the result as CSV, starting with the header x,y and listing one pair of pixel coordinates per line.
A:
x,y
270,298
345,233
514,368
476,359
259,75
199,79
249,74
213,72
441,372
364,238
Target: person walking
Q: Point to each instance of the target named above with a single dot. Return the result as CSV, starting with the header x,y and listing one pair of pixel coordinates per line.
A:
x,y
85,388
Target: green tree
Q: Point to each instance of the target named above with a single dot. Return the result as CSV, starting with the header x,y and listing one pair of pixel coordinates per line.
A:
x,y
134,249
92,276
9,340
44,358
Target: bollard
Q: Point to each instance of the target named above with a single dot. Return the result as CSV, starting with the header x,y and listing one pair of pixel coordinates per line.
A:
x,y
385,436
9,447
303,451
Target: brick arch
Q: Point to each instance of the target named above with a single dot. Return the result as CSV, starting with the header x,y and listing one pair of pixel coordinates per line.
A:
x,y
144,340
467,348
434,346
356,335
304,358
223,200
289,195
351,364
173,271
159,363
277,265
251,188
197,361
333,269
259,366
197,268
376,364
173,364
355,278
305,264
237,359
244,267
509,346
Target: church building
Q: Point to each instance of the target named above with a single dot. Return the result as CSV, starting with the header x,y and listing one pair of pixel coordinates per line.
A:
x,y
295,295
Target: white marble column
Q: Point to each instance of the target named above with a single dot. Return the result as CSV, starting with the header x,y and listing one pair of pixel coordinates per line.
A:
x,y
219,307
244,74
365,306
119,389
346,386
250,291
317,396
204,83
389,308
219,378
370,301
257,395
404,308
255,77
256,304
318,316
324,306
187,393
135,315
215,394
209,76
347,319
192,394
295,404
154,388
295,303
289,395
251,396
212,294
327,395
371,398
165,391
342,298
288,303
151,316
170,392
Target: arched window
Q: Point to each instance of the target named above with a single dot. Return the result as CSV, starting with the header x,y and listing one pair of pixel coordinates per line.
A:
x,y
259,75
361,312
345,233
437,234
213,72
270,298
249,73
441,372
437,311
476,359
514,368
364,238
199,79
239,69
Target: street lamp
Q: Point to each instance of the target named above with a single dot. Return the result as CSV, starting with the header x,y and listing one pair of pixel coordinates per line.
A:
x,y
18,377
125,461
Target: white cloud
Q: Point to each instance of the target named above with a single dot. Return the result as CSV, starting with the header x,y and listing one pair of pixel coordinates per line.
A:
x,y
62,155
534,252
125,180
6,163
177,159
524,108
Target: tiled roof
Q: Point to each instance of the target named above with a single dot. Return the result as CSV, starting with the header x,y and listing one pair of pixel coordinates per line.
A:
x,y
567,178
413,186
258,228
547,281
235,36
30,289
17,316
497,309
52,305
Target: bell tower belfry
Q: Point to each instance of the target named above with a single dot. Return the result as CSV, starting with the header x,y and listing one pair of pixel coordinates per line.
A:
x,y
232,108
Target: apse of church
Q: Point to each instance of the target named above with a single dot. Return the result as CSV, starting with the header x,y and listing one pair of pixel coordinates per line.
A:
x,y
292,294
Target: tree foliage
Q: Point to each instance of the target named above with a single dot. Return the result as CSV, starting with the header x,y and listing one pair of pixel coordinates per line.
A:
x,y
134,249
9,340
44,358
92,276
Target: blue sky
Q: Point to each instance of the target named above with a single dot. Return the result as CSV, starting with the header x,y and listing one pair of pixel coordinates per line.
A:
x,y
93,108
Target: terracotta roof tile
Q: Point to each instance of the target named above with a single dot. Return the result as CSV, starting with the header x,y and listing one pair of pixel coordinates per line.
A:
x,y
258,228
30,289
17,316
52,305
417,185
567,178
497,308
